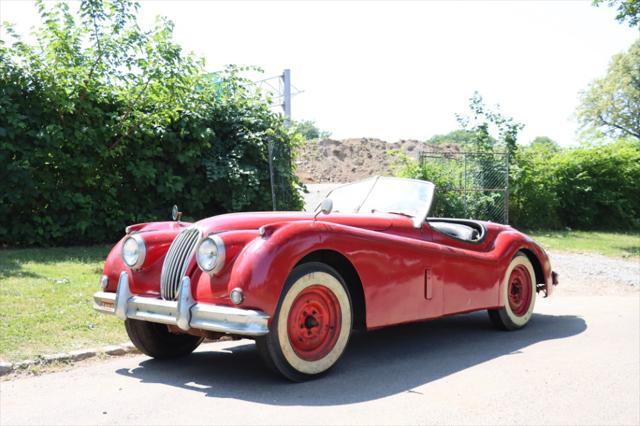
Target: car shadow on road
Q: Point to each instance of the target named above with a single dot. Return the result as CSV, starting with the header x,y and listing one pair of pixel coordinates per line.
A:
x,y
375,365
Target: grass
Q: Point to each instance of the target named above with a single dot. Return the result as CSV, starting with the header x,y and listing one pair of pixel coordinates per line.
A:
x,y
46,303
626,245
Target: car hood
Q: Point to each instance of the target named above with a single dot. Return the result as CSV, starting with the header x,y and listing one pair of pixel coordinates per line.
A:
x,y
254,220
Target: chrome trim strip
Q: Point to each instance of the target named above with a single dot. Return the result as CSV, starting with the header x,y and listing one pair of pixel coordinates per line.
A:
x,y
184,313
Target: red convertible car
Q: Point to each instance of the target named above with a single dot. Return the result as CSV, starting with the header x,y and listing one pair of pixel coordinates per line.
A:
x,y
300,283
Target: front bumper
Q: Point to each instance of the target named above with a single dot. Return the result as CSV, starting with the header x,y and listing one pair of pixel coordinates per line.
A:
x,y
184,313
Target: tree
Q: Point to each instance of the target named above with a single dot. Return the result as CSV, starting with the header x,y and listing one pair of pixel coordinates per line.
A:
x,y
546,143
612,104
309,130
482,121
103,124
458,137
627,9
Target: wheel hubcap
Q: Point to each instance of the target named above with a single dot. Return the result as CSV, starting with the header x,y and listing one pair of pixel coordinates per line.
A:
x,y
520,290
314,323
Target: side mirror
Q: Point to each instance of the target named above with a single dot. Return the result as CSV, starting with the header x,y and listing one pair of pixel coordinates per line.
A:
x,y
175,214
325,207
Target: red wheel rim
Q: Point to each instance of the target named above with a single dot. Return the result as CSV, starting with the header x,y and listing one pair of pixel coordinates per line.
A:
x,y
314,323
519,290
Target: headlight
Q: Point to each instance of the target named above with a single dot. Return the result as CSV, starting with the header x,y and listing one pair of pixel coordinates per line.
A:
x,y
210,254
134,251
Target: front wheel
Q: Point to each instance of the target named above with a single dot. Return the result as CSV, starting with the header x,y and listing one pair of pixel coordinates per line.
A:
x,y
312,324
158,342
518,293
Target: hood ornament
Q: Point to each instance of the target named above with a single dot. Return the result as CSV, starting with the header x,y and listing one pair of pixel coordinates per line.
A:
x,y
175,214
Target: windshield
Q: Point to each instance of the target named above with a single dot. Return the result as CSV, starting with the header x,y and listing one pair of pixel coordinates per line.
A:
x,y
409,197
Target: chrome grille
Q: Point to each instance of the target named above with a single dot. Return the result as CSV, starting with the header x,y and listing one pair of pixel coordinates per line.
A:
x,y
176,262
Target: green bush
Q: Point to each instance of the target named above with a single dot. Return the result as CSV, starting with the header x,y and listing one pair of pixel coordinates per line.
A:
x,y
599,186
103,124
534,200
590,187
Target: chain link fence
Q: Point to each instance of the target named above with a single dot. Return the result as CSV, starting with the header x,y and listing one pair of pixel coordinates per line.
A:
x,y
473,185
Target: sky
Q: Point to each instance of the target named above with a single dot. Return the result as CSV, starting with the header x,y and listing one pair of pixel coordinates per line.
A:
x,y
402,70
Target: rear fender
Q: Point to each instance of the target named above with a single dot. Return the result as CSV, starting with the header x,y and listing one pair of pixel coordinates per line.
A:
x,y
508,244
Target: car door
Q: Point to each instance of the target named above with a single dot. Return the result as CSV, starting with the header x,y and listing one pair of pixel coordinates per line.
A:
x,y
467,272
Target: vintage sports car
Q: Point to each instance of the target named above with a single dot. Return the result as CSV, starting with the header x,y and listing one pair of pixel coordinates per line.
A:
x,y
300,283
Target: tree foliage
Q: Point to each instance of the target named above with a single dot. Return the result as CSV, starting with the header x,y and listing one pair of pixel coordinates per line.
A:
x,y
626,10
612,104
590,187
103,124
482,121
459,137
309,130
546,143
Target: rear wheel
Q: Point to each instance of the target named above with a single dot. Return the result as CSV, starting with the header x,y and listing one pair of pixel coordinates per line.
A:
x,y
158,342
312,324
519,295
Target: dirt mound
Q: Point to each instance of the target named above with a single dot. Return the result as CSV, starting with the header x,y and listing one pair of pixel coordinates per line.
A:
x,y
330,160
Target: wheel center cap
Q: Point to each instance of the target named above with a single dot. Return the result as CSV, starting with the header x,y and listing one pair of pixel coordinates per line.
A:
x,y
310,322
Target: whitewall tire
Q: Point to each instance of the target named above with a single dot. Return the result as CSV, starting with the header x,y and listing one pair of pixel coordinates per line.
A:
x,y
312,324
518,293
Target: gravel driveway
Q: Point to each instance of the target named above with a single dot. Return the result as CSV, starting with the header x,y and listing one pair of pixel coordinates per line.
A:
x,y
582,273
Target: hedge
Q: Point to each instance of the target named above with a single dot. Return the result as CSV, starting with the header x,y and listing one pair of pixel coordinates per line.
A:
x,y
103,124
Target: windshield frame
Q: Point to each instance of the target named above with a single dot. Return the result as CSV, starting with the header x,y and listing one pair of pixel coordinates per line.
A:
x,y
423,212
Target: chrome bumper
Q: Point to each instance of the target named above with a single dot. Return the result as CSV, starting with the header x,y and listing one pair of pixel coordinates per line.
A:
x,y
184,313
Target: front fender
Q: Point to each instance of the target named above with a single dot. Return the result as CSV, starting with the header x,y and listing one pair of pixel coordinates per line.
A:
x,y
158,237
262,267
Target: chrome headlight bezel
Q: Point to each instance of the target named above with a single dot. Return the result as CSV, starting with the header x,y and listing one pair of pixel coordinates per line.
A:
x,y
215,263
137,262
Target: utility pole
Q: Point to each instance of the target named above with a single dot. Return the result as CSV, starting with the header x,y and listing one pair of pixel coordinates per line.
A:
x,y
281,87
286,96
271,174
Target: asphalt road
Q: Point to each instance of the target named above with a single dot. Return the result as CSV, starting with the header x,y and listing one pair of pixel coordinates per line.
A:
x,y
578,362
